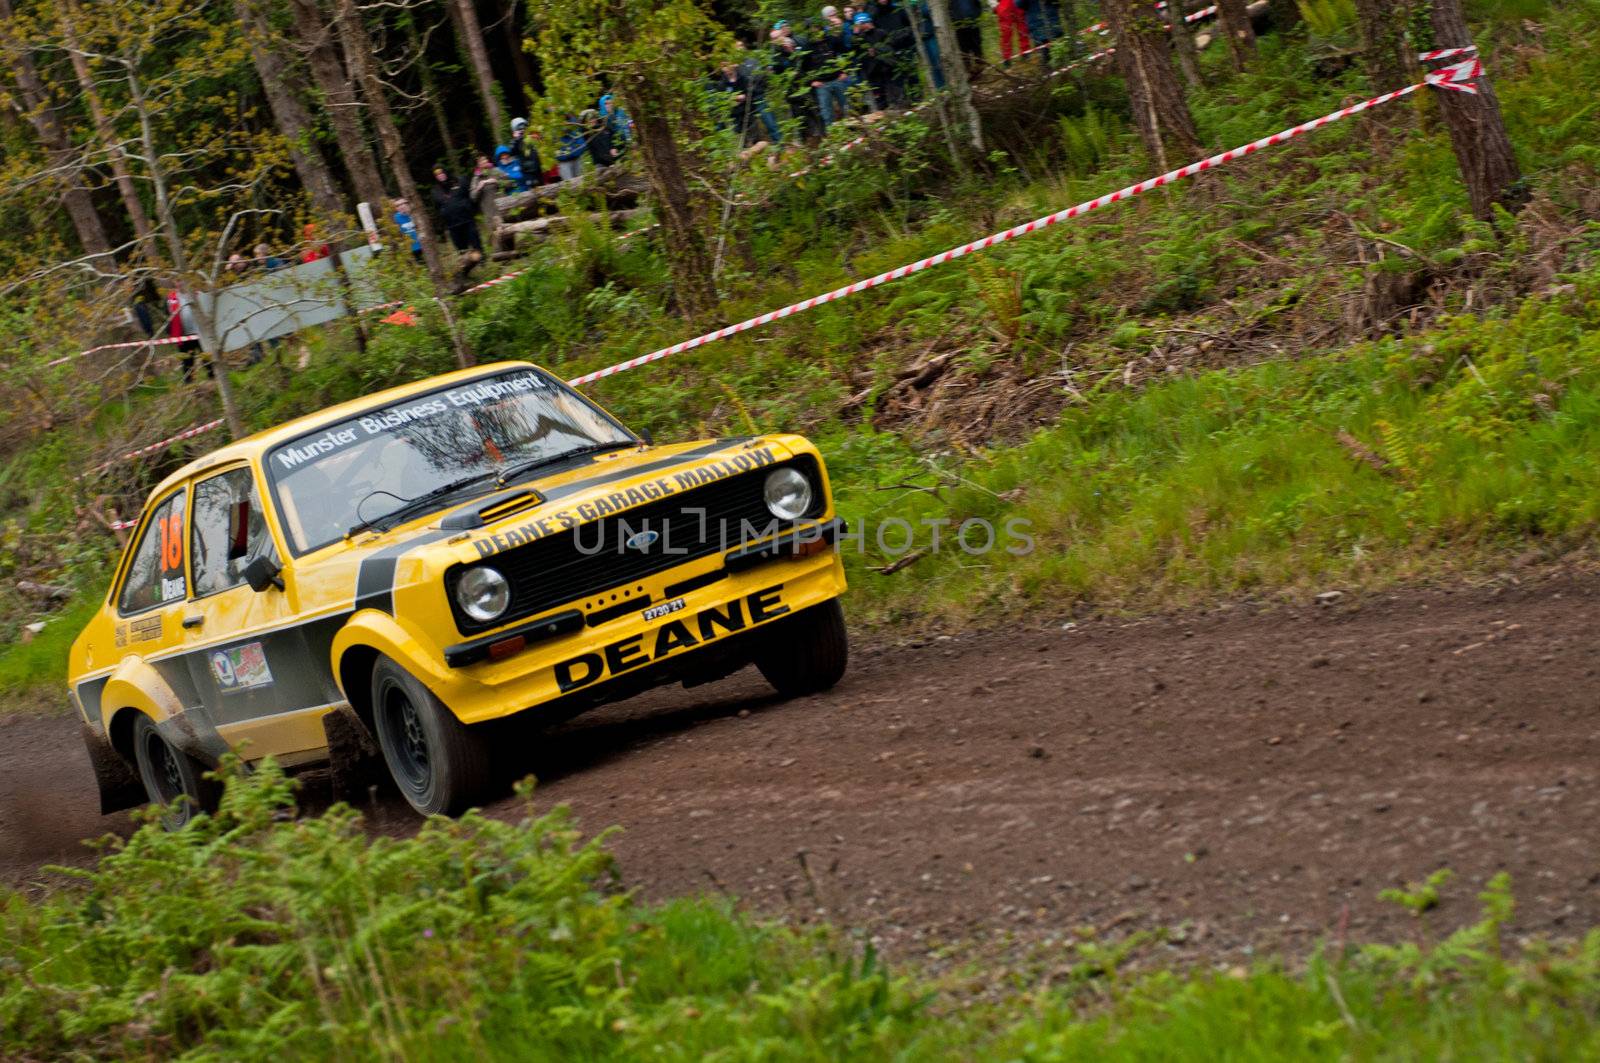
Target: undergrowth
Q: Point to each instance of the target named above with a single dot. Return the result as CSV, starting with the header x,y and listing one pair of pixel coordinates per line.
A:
x,y
255,935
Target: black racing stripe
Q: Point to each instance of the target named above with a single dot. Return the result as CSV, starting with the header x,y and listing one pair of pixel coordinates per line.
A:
x,y
375,577
567,490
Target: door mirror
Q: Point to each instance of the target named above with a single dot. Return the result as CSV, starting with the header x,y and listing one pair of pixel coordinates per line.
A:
x,y
261,573
648,436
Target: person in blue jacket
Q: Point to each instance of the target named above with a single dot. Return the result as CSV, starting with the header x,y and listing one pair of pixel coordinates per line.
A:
x,y
506,161
408,227
570,151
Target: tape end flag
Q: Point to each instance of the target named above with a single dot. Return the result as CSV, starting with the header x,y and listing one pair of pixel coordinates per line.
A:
x,y
1458,77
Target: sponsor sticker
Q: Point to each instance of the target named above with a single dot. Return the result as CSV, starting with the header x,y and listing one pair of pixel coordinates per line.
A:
x,y
241,667
656,612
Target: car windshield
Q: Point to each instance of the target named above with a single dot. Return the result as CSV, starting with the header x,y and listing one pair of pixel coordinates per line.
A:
x,y
357,472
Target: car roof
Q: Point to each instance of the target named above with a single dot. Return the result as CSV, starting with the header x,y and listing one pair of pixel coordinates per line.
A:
x,y
255,445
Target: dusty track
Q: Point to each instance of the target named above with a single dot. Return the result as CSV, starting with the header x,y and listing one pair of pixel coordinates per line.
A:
x,y
1255,776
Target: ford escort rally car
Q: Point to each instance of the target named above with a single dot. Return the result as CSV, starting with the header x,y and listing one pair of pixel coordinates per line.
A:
x,y
408,573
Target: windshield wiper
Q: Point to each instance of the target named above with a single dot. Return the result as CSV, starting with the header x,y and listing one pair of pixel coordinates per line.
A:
x,y
420,501
516,471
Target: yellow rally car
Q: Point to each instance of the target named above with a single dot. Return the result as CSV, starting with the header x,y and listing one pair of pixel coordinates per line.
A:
x,y
409,572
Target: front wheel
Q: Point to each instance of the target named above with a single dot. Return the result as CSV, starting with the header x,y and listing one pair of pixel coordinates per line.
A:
x,y
806,653
441,765
173,780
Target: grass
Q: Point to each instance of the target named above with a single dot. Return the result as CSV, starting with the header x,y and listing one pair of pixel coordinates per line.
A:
x,y
255,935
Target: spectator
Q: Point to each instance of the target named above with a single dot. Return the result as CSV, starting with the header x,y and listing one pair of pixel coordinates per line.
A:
x,y
146,304
180,323
730,81
797,64
266,259
618,124
1013,29
527,155
894,23
597,139
757,80
457,207
507,163
930,44
314,249
408,226
834,78
1043,20
569,153
875,58
967,16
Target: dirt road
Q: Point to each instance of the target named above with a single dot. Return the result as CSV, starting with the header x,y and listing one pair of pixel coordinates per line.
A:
x,y
1252,776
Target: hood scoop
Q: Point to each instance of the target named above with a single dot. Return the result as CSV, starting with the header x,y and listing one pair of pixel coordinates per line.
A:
x,y
489,510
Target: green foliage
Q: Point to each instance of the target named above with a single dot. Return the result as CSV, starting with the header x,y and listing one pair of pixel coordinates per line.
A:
x,y
255,935
1328,18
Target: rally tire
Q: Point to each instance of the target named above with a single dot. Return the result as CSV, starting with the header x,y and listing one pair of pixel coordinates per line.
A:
x,y
442,766
806,653
173,780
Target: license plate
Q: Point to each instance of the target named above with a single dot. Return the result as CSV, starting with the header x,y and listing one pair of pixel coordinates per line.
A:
x,y
656,612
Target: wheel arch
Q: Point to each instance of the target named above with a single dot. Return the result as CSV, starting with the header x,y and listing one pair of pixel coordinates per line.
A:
x,y
356,649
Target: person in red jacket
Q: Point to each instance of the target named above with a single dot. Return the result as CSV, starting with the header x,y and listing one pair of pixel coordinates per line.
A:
x,y
317,250
1013,28
180,326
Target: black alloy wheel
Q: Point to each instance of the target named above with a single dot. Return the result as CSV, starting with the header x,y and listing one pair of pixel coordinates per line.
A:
x,y
441,765
173,780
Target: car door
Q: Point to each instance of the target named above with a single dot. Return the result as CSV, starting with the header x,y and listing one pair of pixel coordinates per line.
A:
x,y
151,599
264,685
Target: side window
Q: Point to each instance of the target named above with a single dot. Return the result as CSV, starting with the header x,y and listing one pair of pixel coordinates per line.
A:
x,y
155,575
229,530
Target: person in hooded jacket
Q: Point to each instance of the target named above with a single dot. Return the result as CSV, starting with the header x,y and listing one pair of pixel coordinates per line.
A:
x,y
876,59
506,161
571,149
457,208
527,155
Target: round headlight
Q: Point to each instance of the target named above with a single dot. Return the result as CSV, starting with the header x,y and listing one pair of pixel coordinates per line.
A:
x,y
483,593
788,494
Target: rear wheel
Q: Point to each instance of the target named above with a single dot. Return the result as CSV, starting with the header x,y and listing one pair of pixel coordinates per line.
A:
x,y
806,653
441,765
173,780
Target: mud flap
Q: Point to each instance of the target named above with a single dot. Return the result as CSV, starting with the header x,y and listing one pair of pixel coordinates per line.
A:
x,y
119,783
354,763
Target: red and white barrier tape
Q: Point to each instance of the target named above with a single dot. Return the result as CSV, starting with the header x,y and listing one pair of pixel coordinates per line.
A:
x,y
1191,18
1447,53
1458,78
119,347
187,433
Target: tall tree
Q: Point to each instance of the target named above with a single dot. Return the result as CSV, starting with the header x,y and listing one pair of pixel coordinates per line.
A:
x,y
1144,55
358,53
1477,129
511,28
650,52
1183,43
1234,16
39,107
290,114
105,130
471,30
430,82
957,84
320,45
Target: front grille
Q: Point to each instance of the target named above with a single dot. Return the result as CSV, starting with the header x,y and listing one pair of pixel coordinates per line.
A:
x,y
555,571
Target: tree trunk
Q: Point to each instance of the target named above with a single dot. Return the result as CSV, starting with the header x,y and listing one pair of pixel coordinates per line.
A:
x,y
958,87
1383,43
472,36
1183,43
510,26
179,255
1144,55
358,52
1234,16
430,85
339,100
131,203
66,162
291,116
1477,130
690,261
